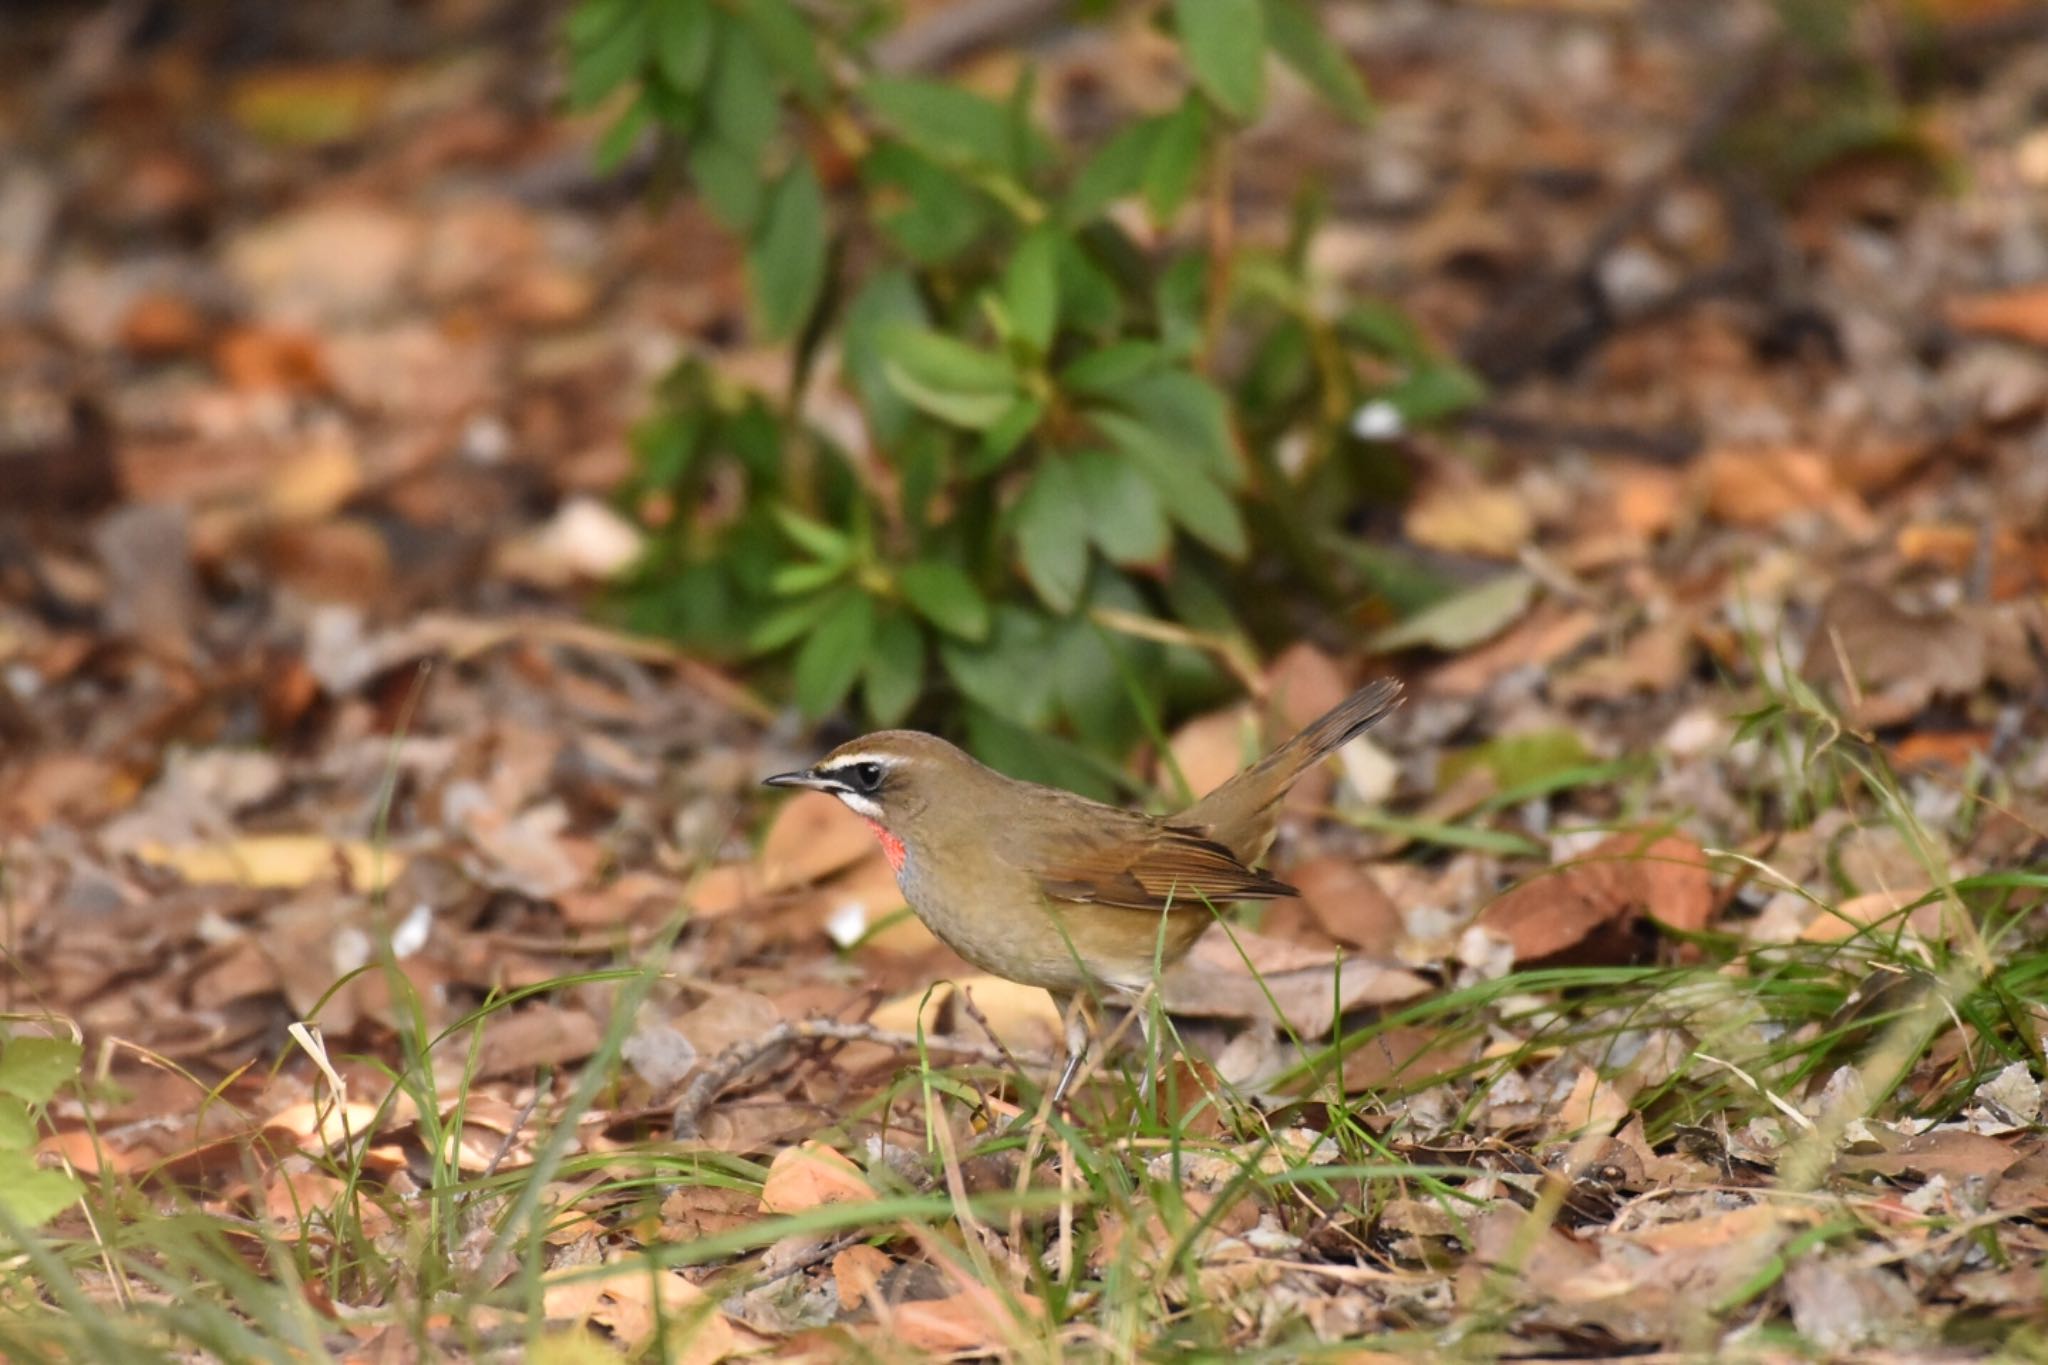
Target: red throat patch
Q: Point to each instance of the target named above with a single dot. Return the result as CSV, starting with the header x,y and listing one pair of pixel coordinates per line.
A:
x,y
892,847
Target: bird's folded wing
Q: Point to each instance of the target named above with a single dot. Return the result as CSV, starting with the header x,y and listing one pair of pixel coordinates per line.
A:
x,y
1162,867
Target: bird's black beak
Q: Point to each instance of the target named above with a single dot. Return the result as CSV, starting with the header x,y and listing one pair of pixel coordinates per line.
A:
x,y
802,779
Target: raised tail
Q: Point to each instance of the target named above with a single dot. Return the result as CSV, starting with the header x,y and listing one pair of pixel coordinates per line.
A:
x,y
1239,814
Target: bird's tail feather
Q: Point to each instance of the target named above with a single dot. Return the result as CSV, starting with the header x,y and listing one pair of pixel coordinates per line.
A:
x,y
1240,803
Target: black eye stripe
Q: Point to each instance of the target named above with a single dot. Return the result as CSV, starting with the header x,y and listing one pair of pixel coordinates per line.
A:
x,y
865,778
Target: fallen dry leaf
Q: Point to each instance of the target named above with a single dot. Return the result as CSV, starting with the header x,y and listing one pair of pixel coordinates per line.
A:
x,y
1211,749
1892,663
1654,660
1469,518
1550,633
1023,1018
2017,314
278,861
1665,878
635,1300
1243,975
978,1322
812,837
855,1273
1347,903
811,1174
1761,487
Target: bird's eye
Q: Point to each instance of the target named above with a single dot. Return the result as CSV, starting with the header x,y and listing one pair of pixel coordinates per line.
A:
x,y
867,776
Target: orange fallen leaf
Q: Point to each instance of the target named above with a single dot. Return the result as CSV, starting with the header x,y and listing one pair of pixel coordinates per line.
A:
x,y
1550,633
2016,314
810,1175
635,1300
1022,1017
856,1271
1347,903
1941,748
1761,486
1210,749
259,359
1625,876
812,837
163,324
1593,1106
1645,498
976,1323
1469,518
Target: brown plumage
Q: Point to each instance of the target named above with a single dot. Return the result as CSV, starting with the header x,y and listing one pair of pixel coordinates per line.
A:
x,y
1051,889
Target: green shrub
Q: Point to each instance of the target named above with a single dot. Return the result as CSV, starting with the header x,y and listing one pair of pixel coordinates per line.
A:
x,y
1058,529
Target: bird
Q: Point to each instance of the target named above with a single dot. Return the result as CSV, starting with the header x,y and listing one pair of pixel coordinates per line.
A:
x,y
1048,888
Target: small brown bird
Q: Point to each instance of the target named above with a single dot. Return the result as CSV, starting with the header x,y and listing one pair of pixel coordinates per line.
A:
x,y
1050,889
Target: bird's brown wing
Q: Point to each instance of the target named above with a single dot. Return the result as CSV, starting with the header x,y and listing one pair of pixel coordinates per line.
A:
x,y
1148,866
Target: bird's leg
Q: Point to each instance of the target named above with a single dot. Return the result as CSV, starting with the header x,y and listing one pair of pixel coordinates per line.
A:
x,y
1073,1008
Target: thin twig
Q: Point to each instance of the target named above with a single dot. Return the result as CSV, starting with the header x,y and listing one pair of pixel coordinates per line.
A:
x,y
740,1058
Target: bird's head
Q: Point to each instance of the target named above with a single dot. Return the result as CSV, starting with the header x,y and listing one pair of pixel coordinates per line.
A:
x,y
892,779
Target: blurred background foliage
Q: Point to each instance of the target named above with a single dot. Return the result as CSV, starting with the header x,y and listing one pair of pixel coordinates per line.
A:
x,y
1099,476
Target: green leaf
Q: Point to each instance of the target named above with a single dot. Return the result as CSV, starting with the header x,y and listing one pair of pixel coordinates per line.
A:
x,y
615,49
619,140
924,461
1104,372
1052,534
956,126
31,1195
833,655
951,380
1190,414
1006,673
1192,498
1225,43
822,541
1031,289
728,180
684,37
1435,392
785,623
1449,836
594,19
927,210
1024,750
17,1129
1089,300
1000,441
1385,330
1183,302
787,259
797,580
1126,519
895,669
1115,171
888,298
32,1069
1459,622
742,94
1517,761
1299,39
1175,160
785,36
666,445
944,595
1094,689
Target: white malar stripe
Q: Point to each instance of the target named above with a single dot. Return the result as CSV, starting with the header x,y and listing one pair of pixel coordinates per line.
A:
x,y
860,805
